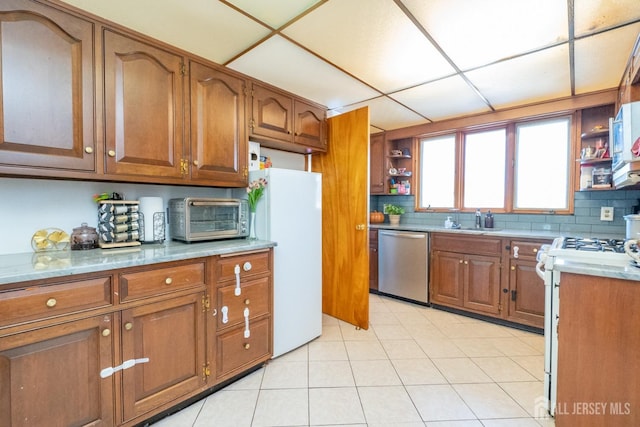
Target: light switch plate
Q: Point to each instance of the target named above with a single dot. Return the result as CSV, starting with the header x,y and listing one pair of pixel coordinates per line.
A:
x,y
606,213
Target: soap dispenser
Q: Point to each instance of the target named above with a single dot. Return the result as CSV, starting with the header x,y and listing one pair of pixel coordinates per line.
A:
x,y
488,220
448,223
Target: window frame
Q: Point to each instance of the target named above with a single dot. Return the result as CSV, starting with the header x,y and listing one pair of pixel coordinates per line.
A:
x,y
510,164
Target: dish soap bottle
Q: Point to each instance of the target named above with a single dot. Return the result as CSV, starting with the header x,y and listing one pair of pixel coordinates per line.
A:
x,y
448,223
478,219
488,220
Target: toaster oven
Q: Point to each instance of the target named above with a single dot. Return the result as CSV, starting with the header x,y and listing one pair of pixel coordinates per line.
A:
x,y
197,219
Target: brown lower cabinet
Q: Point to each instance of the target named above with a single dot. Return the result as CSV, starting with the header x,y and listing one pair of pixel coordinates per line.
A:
x,y
467,273
598,352
137,342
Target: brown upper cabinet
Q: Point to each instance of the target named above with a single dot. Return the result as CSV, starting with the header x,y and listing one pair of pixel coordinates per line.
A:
x,y
47,93
629,90
376,164
219,149
282,121
143,108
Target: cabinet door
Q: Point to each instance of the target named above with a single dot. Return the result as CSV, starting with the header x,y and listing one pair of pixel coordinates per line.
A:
x,y
219,148
310,126
272,114
238,352
447,275
143,108
482,283
171,335
47,89
376,164
526,294
51,376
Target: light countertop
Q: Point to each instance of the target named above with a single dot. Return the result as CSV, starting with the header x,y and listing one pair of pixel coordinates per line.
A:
x,y
497,232
28,266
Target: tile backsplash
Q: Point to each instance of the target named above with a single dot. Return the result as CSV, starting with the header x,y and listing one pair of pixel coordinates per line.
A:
x,y
584,221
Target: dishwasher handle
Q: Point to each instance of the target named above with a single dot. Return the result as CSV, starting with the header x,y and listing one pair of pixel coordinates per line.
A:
x,y
404,235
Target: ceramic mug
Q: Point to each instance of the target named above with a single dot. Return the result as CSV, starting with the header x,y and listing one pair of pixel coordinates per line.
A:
x,y
633,254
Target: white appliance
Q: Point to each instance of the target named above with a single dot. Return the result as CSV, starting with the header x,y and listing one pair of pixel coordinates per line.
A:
x,y
290,213
586,250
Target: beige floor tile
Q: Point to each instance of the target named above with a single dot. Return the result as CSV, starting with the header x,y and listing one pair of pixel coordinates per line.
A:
x,y
228,408
374,373
533,364
330,333
466,423
428,332
391,332
365,350
511,422
383,318
351,333
478,347
535,341
461,370
418,372
502,369
527,394
249,382
330,374
437,347
329,320
286,375
327,350
439,403
474,330
335,406
413,318
387,405
398,306
377,306
297,355
184,418
489,401
282,408
441,317
514,347
403,349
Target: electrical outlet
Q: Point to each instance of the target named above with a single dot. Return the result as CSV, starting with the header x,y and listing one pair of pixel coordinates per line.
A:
x,y
606,213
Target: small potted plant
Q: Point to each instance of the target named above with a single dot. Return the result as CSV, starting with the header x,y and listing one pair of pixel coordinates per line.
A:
x,y
394,213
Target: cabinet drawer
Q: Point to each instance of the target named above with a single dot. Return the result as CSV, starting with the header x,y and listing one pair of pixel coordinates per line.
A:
x,y
249,264
235,352
41,302
149,283
526,249
466,244
255,295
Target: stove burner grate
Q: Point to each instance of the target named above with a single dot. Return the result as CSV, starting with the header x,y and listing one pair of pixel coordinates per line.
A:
x,y
593,244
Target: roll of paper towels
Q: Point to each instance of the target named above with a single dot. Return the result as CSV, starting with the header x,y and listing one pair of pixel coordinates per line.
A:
x,y
149,206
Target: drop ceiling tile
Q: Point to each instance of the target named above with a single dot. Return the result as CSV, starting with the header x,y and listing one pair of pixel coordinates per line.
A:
x,y
442,99
386,114
593,71
275,13
475,33
593,15
287,66
373,40
532,78
207,28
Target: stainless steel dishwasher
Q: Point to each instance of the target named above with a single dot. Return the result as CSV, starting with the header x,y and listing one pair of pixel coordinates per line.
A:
x,y
403,264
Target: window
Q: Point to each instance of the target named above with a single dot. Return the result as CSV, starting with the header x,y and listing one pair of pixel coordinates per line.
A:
x,y
505,169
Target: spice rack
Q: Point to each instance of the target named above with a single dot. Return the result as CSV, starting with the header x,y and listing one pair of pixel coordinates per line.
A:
x,y
118,223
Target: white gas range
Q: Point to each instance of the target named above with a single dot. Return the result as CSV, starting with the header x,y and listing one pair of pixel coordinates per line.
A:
x,y
591,251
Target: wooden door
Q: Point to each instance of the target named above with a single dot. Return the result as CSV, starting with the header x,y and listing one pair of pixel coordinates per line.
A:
x,y
482,283
376,164
526,294
310,126
219,149
47,90
345,251
143,108
272,114
447,276
51,376
171,335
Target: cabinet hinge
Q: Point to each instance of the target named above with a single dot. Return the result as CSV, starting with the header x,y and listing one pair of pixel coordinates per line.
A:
x,y
183,69
206,304
252,124
499,308
184,166
206,371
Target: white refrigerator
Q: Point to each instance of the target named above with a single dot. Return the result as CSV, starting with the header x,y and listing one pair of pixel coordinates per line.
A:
x,y
290,213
